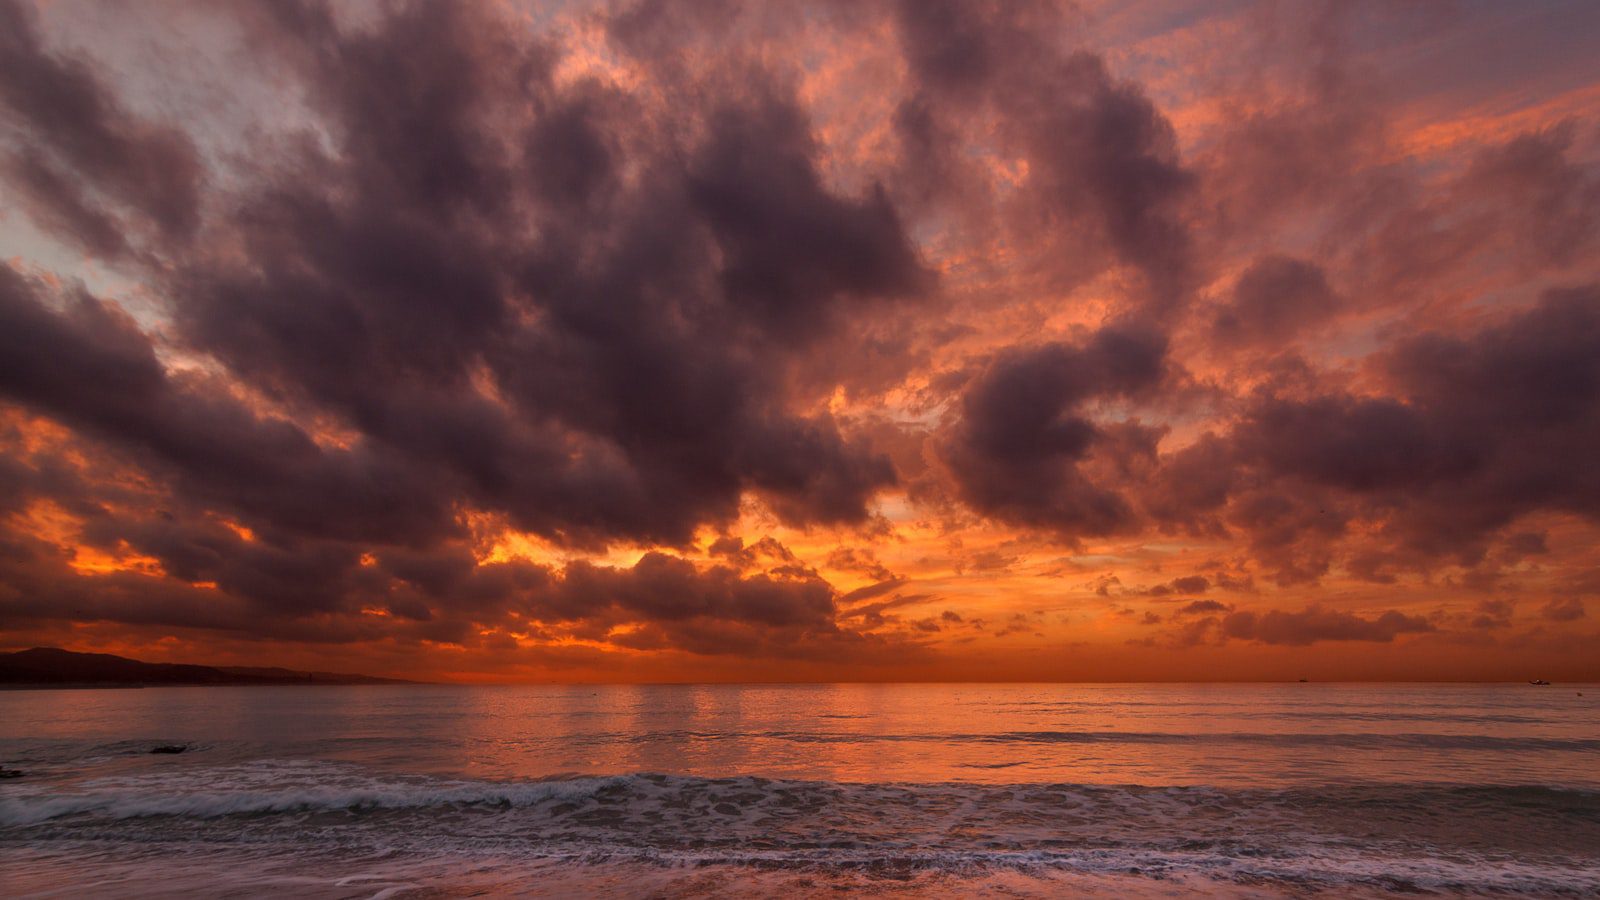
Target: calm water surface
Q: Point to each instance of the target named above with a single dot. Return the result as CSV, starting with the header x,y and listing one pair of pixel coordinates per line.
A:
x,y
1015,790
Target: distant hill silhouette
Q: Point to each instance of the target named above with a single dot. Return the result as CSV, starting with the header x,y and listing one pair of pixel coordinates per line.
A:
x,y
53,666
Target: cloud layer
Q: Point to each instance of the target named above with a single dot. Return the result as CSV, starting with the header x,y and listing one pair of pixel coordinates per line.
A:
x,y
890,338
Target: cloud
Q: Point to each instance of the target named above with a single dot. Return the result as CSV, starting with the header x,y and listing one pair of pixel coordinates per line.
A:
x,y
87,167
322,593
1199,607
1550,200
1568,610
1316,623
637,382
1187,584
1442,464
1017,453
465,287
621,328
1103,172
861,561
1273,301
1493,614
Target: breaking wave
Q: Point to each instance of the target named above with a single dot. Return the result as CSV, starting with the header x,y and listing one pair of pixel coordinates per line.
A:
x,y
1400,837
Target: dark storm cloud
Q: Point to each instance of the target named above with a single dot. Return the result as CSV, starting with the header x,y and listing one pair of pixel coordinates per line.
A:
x,y
1274,299
661,588
1317,623
57,202
1349,443
792,249
1522,400
1531,186
89,366
1193,484
1017,452
61,360
1103,167
637,334
1103,187
500,294
1480,429
66,131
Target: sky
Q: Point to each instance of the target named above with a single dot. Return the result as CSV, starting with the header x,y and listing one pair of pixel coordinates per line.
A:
x,y
815,341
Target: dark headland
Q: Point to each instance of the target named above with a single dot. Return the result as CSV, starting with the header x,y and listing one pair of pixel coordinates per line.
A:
x,y
52,667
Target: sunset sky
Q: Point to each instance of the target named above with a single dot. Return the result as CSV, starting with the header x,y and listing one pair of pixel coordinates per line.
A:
x,y
824,340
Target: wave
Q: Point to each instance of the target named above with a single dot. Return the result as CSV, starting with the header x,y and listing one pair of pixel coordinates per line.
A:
x,y
300,786
1301,739
560,871
1529,838
1324,740
213,798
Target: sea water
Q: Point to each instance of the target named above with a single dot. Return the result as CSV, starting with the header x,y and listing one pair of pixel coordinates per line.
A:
x,y
686,790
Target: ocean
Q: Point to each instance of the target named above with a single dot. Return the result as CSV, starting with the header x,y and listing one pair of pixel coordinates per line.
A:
x,y
803,790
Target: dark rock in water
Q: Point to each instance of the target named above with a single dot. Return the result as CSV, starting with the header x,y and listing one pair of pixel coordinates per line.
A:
x,y
170,748
9,773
